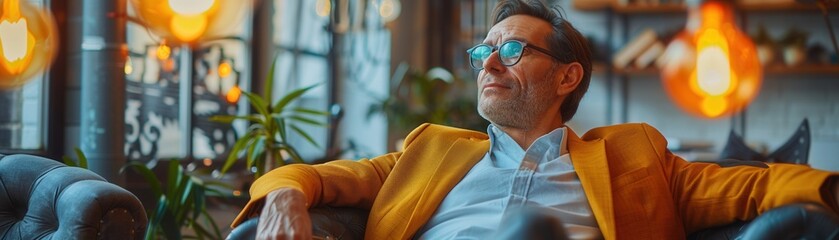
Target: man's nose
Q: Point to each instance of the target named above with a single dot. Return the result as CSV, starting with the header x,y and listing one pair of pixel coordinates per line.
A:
x,y
493,64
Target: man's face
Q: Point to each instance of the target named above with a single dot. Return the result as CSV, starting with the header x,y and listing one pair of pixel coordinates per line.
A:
x,y
516,96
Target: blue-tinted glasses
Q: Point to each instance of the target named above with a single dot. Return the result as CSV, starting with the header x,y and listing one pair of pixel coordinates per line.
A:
x,y
509,52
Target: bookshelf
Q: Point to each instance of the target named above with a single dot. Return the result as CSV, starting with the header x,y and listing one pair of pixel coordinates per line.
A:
x,y
620,16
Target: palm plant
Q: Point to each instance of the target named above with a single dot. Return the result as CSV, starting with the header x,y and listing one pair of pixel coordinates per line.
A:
x,y
267,136
181,203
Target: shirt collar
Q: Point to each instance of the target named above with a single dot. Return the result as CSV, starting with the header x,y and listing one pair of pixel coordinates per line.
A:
x,y
500,141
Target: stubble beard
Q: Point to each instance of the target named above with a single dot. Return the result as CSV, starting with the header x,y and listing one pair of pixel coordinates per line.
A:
x,y
520,111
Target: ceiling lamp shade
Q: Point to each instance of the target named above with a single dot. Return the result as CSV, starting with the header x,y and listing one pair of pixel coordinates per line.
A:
x,y
190,21
712,69
28,42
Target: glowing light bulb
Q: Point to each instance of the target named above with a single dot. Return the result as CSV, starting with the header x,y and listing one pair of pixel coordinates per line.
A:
x,y
224,69
712,68
714,106
129,68
191,7
323,7
16,41
190,19
163,51
188,28
233,95
712,72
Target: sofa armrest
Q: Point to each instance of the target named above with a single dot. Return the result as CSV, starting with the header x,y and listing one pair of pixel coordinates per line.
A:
x,y
793,221
43,198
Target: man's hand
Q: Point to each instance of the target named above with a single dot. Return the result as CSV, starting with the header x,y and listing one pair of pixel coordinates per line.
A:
x,y
284,216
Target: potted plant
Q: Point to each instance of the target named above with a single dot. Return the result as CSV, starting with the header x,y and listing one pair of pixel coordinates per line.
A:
x,y
765,46
265,143
794,49
181,203
434,96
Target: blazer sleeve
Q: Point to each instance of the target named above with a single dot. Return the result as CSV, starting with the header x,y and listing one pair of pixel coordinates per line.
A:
x,y
707,194
336,183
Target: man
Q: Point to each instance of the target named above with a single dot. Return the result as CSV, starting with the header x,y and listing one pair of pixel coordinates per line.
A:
x,y
617,181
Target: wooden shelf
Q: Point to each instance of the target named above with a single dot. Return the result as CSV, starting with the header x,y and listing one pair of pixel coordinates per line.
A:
x,y
651,9
777,7
681,8
775,69
806,69
632,71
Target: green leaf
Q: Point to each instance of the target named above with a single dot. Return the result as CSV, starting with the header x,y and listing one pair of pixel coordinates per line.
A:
x,y
154,222
233,154
304,135
217,193
223,185
281,129
200,231
171,229
199,206
249,152
258,103
311,111
257,149
185,206
212,222
291,152
174,178
186,191
148,175
260,169
290,97
269,80
307,120
278,157
82,158
228,119
69,161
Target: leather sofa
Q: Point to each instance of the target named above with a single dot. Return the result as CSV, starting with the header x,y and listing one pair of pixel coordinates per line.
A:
x,y
42,198
795,221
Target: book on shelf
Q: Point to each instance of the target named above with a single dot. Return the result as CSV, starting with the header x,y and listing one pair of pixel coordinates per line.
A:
x,y
650,55
634,48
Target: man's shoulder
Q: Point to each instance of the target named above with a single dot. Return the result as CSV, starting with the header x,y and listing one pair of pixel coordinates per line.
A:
x,y
626,131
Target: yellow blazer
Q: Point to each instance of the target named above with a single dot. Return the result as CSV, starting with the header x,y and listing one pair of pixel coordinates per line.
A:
x,y
636,188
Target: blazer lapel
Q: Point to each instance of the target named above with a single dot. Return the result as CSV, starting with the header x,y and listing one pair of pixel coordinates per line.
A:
x,y
457,161
589,159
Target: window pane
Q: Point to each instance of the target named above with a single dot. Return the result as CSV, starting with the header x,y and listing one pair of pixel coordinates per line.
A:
x,y
21,116
218,67
152,116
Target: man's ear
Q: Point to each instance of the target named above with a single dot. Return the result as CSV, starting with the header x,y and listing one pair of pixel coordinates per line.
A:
x,y
570,79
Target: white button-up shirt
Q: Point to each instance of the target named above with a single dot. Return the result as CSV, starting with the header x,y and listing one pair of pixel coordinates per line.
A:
x,y
508,178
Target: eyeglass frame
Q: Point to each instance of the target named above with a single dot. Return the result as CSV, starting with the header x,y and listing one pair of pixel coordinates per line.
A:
x,y
524,46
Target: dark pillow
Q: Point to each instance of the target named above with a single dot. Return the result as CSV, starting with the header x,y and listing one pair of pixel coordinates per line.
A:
x,y
795,150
